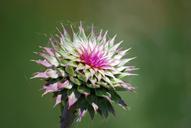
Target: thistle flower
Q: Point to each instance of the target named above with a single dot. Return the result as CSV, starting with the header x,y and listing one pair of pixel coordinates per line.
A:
x,y
85,71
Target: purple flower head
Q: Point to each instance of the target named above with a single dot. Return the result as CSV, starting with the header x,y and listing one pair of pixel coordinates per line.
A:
x,y
85,71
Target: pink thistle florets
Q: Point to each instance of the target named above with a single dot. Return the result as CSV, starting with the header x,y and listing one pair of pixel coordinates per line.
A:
x,y
94,57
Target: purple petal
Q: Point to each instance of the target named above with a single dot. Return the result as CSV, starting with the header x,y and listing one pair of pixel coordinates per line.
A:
x,y
62,85
82,113
72,99
106,67
48,73
67,85
43,63
128,86
58,100
49,51
50,88
54,87
52,73
51,59
40,75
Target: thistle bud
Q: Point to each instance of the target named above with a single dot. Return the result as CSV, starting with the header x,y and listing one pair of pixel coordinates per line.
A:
x,y
86,71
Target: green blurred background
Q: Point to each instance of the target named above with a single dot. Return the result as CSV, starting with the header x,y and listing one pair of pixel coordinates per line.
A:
x,y
159,32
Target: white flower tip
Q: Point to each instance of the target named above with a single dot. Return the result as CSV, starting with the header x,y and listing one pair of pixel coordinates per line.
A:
x,y
36,53
44,94
33,60
33,77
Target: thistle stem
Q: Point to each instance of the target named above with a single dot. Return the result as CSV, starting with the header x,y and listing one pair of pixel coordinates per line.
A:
x,y
67,118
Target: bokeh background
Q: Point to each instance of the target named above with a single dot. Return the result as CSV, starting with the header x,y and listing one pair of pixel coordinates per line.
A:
x,y
159,32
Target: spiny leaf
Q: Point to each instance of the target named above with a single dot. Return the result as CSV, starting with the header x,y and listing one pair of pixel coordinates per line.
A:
x,y
104,84
70,70
83,90
102,93
116,98
102,107
75,81
92,86
87,74
81,76
110,107
91,111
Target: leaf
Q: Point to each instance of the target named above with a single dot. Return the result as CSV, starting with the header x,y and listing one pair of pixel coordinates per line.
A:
x,y
75,81
102,93
82,103
106,79
61,72
64,95
91,111
92,72
80,66
108,73
93,80
116,98
122,104
83,90
87,74
64,62
81,76
110,107
98,75
102,107
70,70
104,84
93,86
